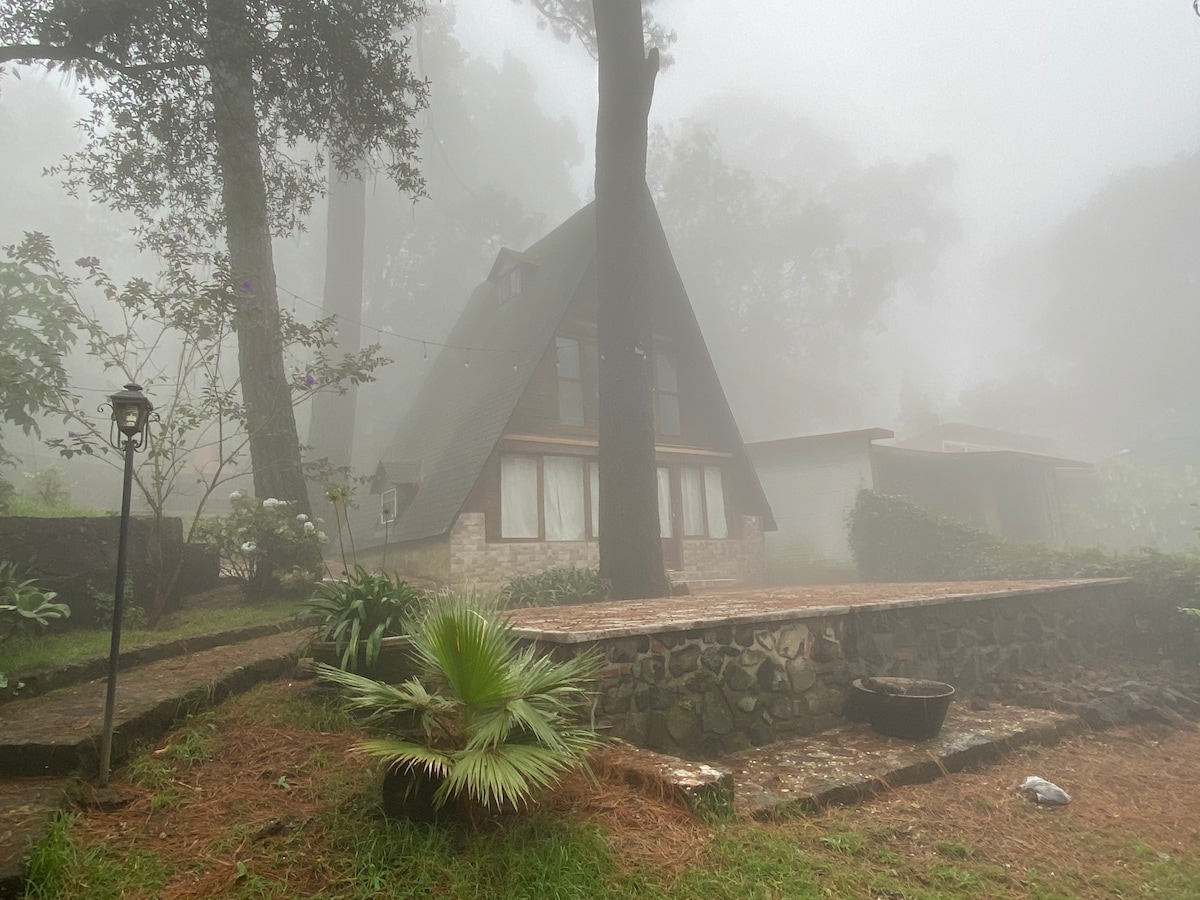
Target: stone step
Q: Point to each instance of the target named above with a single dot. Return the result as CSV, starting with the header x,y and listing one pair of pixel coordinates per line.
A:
x,y
59,732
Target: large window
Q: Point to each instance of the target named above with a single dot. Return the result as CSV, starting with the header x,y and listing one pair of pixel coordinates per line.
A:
x,y
552,498
701,503
575,364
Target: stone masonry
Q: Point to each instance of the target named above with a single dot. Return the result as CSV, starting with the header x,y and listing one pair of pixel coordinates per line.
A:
x,y
705,689
474,561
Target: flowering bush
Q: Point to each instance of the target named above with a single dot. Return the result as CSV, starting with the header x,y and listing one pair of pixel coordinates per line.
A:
x,y
266,546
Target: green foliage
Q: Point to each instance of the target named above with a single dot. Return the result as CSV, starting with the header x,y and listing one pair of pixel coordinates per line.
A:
x,y
47,487
359,611
893,539
264,546
491,724
23,506
1136,505
25,653
554,587
37,329
335,76
23,603
24,606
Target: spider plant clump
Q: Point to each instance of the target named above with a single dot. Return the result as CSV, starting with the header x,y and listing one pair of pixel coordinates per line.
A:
x,y
359,611
484,723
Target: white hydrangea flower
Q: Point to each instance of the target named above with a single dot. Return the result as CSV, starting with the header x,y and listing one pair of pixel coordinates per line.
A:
x,y
309,527
236,496
271,503
249,547
322,537
302,518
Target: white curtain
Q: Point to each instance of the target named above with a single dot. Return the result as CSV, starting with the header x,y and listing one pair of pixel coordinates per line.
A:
x,y
714,497
594,477
664,503
562,498
693,502
518,497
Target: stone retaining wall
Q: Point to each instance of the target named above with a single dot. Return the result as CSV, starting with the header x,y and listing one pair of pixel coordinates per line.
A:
x,y
713,689
80,555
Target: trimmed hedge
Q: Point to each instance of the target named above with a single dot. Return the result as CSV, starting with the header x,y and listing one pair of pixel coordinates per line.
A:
x,y
894,539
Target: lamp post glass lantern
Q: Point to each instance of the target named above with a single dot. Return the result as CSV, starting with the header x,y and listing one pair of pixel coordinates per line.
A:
x,y
130,417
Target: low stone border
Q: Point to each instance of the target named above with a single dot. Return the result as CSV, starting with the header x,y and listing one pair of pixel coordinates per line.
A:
x,y
23,685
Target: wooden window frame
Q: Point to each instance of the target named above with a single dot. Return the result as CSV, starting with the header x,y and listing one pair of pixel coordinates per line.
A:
x,y
659,393
588,500
677,502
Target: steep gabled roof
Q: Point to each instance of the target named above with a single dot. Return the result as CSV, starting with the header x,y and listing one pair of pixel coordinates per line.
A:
x,y
469,396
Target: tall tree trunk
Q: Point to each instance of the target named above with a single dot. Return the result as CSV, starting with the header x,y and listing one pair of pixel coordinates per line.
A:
x,y
274,443
331,431
631,556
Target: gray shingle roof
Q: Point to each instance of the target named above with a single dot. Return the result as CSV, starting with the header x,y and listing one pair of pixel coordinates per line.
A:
x,y
462,410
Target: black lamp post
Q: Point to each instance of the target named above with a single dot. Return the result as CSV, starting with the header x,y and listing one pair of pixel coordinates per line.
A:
x,y
130,416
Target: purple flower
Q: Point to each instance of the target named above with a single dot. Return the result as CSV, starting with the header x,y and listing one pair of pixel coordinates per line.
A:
x,y
270,376
88,262
309,380
177,238
246,285
70,434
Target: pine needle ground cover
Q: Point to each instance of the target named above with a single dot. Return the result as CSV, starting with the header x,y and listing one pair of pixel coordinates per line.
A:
x,y
264,797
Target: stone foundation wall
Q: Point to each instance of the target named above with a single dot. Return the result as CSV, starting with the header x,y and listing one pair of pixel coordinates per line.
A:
x,y
474,561
710,691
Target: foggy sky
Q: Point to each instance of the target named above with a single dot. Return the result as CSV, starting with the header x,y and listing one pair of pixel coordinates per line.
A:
x,y
1039,103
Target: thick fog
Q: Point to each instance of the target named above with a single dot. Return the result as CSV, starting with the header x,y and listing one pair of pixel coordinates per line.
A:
x,y
902,214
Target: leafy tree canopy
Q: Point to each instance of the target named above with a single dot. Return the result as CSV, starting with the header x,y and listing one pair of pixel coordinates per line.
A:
x,y
37,329
1112,298
333,74
791,265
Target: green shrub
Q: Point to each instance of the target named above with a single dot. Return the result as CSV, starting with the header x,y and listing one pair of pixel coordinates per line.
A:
x,y
554,587
894,539
264,546
24,606
359,611
491,723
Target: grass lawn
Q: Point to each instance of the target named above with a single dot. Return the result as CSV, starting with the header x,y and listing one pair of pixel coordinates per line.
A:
x,y
28,652
265,797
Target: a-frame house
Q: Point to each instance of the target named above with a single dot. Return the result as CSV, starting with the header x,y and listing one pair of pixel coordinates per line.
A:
x,y
494,470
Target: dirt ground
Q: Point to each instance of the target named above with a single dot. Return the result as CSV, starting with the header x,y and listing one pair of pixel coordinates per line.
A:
x,y
1133,786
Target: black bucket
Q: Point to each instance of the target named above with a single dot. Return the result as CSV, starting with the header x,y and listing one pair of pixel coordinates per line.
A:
x,y
902,707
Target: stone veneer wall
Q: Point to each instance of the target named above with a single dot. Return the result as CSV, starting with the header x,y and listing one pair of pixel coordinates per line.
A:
x,y
709,691
77,558
474,561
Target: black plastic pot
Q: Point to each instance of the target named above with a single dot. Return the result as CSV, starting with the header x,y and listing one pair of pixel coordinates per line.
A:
x,y
902,707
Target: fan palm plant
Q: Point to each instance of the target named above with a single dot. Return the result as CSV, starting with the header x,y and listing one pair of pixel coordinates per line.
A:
x,y
487,722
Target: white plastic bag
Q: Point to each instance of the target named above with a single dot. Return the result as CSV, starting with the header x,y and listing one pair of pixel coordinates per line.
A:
x,y
1039,790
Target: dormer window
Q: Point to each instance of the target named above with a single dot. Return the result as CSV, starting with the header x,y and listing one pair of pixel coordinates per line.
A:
x,y
510,284
511,273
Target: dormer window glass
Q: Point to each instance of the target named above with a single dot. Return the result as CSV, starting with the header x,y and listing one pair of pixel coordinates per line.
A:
x,y
510,284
